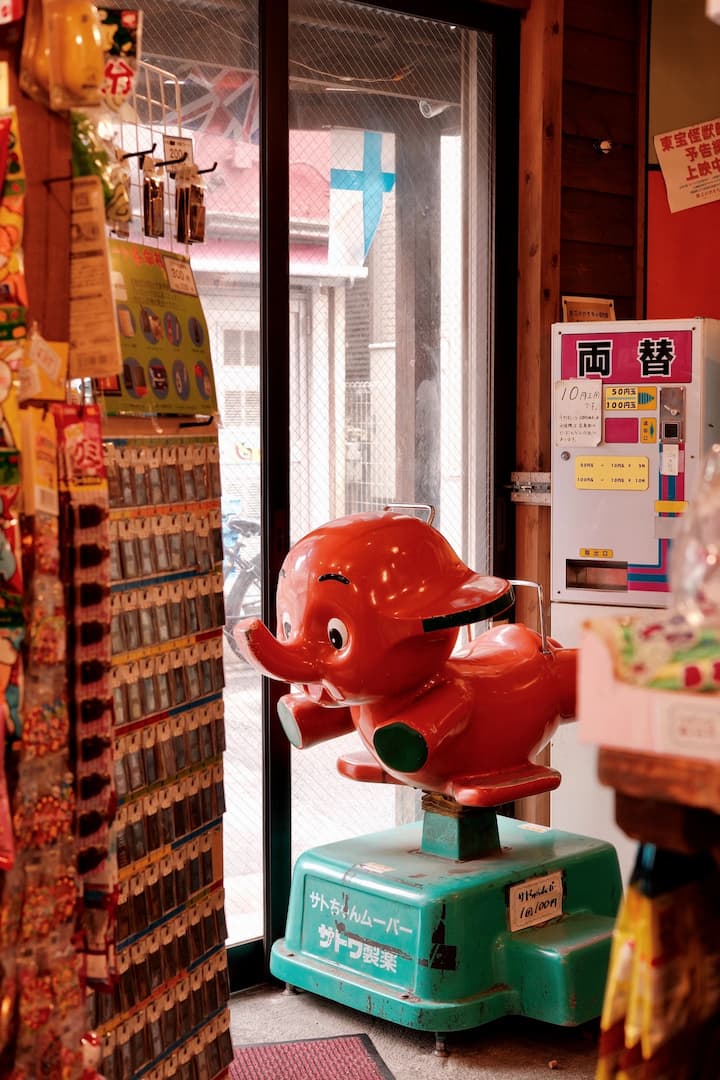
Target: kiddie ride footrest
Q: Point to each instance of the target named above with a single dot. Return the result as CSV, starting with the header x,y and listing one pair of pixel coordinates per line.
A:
x,y
395,924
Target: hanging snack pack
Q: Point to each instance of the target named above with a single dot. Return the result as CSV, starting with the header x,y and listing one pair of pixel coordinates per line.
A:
x,y
7,842
153,191
11,11
95,153
75,52
189,205
121,30
43,371
11,592
84,511
12,220
34,77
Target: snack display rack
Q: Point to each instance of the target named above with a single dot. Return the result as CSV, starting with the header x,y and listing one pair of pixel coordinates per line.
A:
x,y
112,923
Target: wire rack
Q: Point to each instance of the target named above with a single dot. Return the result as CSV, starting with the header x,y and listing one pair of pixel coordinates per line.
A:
x,y
150,124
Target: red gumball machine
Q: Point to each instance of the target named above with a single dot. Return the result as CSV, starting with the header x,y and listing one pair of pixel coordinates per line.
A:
x,y
467,915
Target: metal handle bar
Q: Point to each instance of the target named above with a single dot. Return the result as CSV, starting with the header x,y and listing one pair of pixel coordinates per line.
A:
x,y
541,608
414,506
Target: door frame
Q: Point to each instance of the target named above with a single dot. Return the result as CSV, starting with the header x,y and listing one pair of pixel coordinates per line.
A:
x,y
249,961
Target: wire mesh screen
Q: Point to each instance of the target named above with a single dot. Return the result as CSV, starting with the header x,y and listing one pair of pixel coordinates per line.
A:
x,y
381,107
383,110
376,163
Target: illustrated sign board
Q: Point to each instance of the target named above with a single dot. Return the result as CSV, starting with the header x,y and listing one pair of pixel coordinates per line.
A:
x,y
635,407
166,363
689,160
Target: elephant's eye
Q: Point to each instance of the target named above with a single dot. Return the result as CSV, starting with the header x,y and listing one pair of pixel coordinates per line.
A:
x,y
337,633
286,626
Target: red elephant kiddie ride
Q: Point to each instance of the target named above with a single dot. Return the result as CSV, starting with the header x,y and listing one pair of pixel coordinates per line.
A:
x,y
464,916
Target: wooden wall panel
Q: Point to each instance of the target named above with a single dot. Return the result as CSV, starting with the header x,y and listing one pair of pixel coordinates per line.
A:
x,y
615,18
596,269
598,60
47,232
602,195
594,217
585,166
592,112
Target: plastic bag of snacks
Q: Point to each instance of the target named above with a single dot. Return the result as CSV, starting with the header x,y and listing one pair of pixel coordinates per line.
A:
x,y
679,649
662,996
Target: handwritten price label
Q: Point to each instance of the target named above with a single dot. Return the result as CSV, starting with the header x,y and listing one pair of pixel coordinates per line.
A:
x,y
535,901
179,275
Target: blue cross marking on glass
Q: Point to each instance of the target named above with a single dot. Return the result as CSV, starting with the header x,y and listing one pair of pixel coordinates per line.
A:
x,y
370,180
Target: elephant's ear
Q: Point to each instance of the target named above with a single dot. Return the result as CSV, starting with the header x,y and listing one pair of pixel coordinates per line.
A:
x,y
480,612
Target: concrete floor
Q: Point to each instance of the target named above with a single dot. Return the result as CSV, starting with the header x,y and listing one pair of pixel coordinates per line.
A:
x,y
508,1049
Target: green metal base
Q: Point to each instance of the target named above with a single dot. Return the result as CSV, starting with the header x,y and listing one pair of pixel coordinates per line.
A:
x,y
442,944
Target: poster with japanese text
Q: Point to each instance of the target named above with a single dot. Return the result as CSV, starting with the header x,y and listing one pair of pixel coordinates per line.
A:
x,y
690,164
166,364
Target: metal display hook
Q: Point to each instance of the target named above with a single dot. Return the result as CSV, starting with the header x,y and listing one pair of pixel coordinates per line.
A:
x,y
141,154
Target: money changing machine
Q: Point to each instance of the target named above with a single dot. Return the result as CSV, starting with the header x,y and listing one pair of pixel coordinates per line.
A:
x,y
635,407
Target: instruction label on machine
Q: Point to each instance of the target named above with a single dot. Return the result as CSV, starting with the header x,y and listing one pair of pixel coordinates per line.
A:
x,y
578,412
598,473
535,901
630,398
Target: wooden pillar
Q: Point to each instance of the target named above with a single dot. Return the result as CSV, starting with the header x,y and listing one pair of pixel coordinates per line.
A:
x,y
418,316
45,142
541,58
641,156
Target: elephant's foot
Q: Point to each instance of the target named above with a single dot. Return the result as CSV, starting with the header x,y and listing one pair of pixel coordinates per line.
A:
x,y
400,747
363,766
306,723
492,789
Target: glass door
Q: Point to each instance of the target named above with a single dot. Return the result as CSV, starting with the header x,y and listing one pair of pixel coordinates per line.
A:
x,y
393,173
358,280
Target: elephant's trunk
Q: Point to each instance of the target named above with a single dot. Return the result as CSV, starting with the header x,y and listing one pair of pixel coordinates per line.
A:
x,y
287,662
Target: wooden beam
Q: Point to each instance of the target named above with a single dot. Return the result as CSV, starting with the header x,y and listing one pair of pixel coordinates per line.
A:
x,y
45,143
641,156
665,777
417,159
667,824
538,266
541,50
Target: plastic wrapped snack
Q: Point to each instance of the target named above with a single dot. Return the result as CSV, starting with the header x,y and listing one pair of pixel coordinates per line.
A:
x,y
679,649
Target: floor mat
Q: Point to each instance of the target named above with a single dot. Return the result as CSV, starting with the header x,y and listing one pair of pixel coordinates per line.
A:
x,y
343,1057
